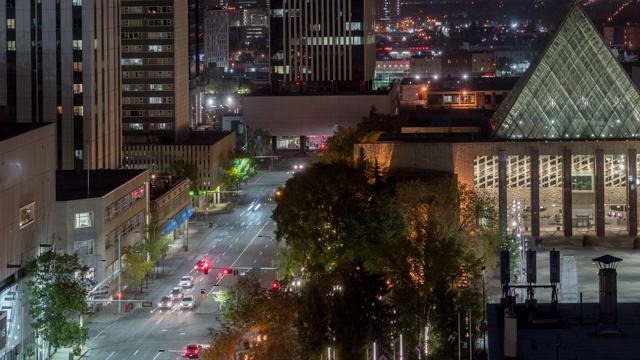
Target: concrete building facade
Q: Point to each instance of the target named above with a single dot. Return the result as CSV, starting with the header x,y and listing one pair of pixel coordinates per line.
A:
x,y
216,38
27,225
66,72
155,71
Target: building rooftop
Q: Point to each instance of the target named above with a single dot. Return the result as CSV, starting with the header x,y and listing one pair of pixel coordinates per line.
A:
x,y
266,91
72,184
9,130
163,183
205,137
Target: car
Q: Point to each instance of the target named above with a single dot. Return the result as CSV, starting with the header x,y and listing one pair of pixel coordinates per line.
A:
x,y
192,351
202,265
188,302
177,293
186,281
255,205
166,302
298,167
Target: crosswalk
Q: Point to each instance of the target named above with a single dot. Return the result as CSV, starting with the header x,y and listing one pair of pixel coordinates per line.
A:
x,y
250,223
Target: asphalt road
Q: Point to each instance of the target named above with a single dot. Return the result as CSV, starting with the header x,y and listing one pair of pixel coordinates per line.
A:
x,y
234,243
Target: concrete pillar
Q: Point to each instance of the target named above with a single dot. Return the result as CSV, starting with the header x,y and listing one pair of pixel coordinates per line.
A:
x,y
274,143
303,143
535,192
599,191
632,193
567,206
502,190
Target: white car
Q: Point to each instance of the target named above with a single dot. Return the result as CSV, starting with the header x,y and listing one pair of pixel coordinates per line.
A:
x,y
187,302
176,293
186,281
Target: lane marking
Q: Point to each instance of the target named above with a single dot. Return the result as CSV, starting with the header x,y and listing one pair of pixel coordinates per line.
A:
x,y
157,356
100,333
110,355
134,354
260,253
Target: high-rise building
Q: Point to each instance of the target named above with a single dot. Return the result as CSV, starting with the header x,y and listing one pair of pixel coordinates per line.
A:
x,y
155,79
216,39
65,69
322,46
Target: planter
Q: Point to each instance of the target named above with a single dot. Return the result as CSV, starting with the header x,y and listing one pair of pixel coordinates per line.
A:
x,y
558,228
636,243
586,241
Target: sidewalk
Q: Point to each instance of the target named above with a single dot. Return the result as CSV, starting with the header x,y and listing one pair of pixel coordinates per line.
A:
x,y
198,231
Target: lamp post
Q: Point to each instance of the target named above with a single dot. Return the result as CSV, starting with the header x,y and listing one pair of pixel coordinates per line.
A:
x,y
119,276
484,313
277,254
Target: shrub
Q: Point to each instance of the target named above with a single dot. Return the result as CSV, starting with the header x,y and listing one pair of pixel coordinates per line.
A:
x,y
586,241
557,218
636,243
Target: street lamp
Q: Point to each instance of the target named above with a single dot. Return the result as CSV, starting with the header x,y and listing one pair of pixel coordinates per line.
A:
x,y
277,254
484,312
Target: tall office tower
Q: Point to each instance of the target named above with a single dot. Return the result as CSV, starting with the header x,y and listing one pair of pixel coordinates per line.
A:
x,y
322,46
216,38
387,10
155,71
60,62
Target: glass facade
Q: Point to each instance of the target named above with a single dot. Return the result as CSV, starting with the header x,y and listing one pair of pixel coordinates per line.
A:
x,y
575,89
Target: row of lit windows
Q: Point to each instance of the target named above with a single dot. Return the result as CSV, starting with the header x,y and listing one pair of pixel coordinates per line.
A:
x,y
150,100
143,113
148,126
150,87
140,61
151,35
149,74
124,230
150,9
145,48
123,203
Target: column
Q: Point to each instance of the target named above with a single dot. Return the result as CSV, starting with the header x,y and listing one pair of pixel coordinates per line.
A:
x,y
274,143
303,143
535,193
599,190
567,208
502,190
632,193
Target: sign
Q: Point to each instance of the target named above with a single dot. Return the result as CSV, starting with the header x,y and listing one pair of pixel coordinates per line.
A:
x,y
147,304
203,291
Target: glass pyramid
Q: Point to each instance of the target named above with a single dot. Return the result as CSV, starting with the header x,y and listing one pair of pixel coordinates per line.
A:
x,y
574,89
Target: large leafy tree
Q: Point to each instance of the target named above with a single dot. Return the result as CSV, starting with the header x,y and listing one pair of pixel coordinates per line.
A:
x,y
452,233
181,168
255,323
259,142
230,178
58,288
155,244
247,167
328,215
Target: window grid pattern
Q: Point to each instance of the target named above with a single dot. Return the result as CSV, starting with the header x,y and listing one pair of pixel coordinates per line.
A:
x,y
83,248
117,207
583,164
615,171
124,230
551,102
485,170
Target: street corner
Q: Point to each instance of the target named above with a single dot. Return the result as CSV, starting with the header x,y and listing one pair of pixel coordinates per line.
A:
x,y
207,307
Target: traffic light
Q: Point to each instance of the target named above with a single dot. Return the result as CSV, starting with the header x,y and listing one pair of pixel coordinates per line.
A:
x,y
275,285
226,271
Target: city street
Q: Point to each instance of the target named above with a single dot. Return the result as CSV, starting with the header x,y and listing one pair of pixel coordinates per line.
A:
x,y
240,239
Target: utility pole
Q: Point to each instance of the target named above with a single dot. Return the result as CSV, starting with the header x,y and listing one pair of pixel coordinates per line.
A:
x,y
119,275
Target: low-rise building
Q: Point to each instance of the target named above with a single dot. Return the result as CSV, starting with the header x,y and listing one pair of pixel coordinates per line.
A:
x,y
27,215
169,204
98,213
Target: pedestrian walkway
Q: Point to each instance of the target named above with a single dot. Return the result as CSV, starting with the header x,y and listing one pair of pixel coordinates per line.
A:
x,y
198,232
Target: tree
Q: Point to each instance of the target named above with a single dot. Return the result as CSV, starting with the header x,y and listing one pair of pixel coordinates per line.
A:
x,y
58,288
181,168
255,323
156,245
137,264
247,167
230,179
340,144
452,233
259,142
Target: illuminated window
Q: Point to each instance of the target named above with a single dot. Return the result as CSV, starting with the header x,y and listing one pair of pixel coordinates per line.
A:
x,y
77,66
11,23
78,110
84,220
77,88
11,45
77,44
27,215
83,248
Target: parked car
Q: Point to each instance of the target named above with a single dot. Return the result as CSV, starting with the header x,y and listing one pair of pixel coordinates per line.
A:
x,y
177,293
188,302
186,281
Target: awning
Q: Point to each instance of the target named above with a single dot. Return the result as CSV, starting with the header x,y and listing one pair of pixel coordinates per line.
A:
x,y
171,225
184,214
